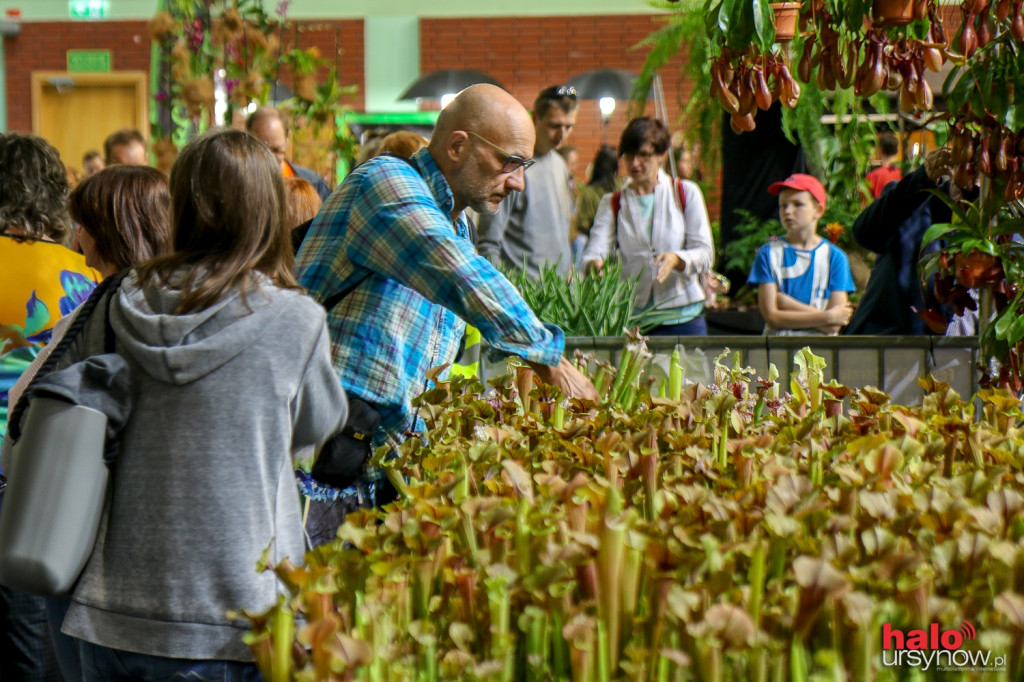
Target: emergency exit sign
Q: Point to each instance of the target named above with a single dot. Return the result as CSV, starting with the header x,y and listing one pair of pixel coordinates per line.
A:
x,y
88,9
88,61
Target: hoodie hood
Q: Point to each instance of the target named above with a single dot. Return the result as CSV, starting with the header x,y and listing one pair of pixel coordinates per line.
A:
x,y
179,349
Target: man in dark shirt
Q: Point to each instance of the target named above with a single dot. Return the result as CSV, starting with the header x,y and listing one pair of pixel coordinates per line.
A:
x,y
892,227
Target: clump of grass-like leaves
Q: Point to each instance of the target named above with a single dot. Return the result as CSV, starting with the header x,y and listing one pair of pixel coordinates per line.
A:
x,y
591,304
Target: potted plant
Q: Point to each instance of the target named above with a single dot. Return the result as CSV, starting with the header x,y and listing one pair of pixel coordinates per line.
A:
x,y
980,250
304,63
894,12
786,16
748,72
235,46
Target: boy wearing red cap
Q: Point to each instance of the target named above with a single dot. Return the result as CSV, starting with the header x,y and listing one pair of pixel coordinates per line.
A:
x,y
802,280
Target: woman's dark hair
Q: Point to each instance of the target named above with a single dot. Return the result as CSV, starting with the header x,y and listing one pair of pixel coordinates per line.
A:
x,y
605,169
126,211
228,220
645,129
33,188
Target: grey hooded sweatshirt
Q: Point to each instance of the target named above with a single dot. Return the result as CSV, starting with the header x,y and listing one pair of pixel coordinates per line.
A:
x,y
205,479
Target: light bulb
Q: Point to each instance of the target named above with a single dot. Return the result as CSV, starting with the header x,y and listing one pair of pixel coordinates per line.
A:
x,y
446,99
607,106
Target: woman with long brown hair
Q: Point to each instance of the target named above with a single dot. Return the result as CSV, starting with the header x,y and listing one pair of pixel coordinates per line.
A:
x,y
231,374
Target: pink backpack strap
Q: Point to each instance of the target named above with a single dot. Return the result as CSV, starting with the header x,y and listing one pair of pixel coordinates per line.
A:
x,y
616,205
682,195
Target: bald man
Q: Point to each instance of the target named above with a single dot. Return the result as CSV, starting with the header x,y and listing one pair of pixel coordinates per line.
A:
x,y
271,126
391,257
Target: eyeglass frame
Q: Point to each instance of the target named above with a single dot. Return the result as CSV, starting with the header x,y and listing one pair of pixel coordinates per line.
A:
x,y
514,159
643,156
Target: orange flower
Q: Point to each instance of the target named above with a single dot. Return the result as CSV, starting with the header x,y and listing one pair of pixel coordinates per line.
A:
x,y
834,231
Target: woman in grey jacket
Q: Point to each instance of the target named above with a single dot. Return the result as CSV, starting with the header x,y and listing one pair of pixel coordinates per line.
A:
x,y
660,228
231,374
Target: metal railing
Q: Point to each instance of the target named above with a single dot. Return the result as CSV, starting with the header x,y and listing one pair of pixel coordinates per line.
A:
x,y
890,363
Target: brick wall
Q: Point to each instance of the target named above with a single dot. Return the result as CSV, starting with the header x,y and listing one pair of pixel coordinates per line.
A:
x,y
42,46
527,54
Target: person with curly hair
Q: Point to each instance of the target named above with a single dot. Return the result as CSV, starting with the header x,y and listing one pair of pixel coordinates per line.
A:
x,y
41,280
121,216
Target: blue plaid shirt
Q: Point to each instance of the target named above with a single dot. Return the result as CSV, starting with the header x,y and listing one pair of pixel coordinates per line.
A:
x,y
391,220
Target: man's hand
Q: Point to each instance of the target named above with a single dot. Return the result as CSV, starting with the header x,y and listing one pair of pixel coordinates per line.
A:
x,y
593,265
566,377
667,262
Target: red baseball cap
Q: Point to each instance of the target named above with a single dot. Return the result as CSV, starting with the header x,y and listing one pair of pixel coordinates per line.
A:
x,y
801,182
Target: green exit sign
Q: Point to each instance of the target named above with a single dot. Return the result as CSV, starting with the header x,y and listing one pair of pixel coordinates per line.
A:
x,y
88,9
88,61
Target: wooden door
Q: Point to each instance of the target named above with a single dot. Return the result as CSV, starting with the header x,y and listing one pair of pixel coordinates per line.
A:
x,y
76,111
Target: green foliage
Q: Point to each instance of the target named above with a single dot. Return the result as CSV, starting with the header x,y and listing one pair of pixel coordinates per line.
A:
x,y
839,154
986,85
725,533
988,227
738,255
583,305
738,24
594,304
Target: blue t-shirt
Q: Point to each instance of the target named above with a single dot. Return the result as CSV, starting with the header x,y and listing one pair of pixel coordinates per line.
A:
x,y
808,276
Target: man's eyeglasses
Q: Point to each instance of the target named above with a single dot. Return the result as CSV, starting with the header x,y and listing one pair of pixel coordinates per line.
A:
x,y
512,162
559,91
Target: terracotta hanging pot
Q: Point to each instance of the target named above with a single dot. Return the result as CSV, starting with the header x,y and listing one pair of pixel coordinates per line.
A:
x,y
305,86
786,15
892,12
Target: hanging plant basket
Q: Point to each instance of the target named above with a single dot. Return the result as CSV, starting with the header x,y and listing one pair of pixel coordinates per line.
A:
x,y
786,16
892,12
305,86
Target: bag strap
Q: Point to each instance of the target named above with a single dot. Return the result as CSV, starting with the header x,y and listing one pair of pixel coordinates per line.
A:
x,y
85,312
682,194
338,297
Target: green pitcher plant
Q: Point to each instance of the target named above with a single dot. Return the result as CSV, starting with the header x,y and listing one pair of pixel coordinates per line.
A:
x,y
739,531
